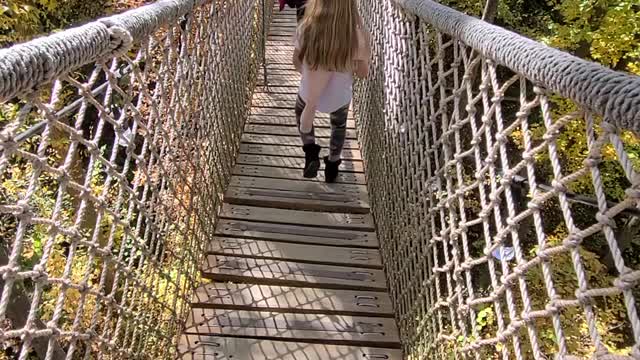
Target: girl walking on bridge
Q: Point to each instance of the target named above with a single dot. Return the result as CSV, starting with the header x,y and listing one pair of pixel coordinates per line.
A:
x,y
331,46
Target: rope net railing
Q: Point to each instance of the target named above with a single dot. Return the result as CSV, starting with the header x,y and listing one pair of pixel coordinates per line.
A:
x,y
498,242
116,142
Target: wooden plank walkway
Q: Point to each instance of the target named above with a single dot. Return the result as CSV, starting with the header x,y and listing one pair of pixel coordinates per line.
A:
x,y
293,271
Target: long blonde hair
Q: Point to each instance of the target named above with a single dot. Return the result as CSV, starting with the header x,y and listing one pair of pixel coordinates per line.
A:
x,y
328,33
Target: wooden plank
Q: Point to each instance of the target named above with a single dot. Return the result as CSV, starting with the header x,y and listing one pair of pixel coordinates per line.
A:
x,y
281,71
342,191
293,151
362,222
280,48
287,15
276,94
324,329
293,300
280,83
259,192
317,328
277,46
275,100
288,67
280,58
291,140
277,34
283,80
294,163
283,29
289,120
287,20
286,199
204,347
273,250
289,273
275,87
284,51
289,90
283,173
278,24
281,36
288,43
275,112
296,234
292,131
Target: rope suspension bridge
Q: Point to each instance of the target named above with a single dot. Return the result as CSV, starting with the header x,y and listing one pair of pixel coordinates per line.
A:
x,y
153,204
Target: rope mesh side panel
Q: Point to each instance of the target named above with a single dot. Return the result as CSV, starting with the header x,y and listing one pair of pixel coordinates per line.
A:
x,y
487,244
117,140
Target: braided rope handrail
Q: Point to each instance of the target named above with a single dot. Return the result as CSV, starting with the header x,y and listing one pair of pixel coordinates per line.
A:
x,y
102,129
480,265
27,66
614,95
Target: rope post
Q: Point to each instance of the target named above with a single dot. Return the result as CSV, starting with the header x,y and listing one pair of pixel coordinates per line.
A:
x,y
264,47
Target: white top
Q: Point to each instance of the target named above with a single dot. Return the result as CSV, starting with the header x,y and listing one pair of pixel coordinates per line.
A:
x,y
333,89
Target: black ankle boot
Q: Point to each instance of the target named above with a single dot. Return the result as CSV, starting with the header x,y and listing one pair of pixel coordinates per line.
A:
x,y
311,160
331,169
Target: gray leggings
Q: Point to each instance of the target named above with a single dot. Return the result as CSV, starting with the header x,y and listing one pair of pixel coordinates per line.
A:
x,y
338,129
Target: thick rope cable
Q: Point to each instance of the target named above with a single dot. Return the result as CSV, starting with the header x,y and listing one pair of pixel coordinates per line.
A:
x,y
25,67
614,95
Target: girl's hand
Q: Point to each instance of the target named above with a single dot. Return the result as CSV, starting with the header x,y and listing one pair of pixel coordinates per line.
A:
x,y
360,22
297,64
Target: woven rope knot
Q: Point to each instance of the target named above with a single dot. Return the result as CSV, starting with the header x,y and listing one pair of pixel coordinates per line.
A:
x,y
543,255
533,205
24,211
551,308
572,241
470,109
28,334
520,270
40,275
627,281
498,97
38,163
592,162
507,280
463,310
605,220
528,156
507,179
53,328
558,186
551,135
120,38
83,288
8,146
8,273
64,177
583,298
632,193
609,128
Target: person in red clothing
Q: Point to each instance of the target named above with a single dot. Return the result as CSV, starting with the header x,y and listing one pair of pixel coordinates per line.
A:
x,y
299,5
